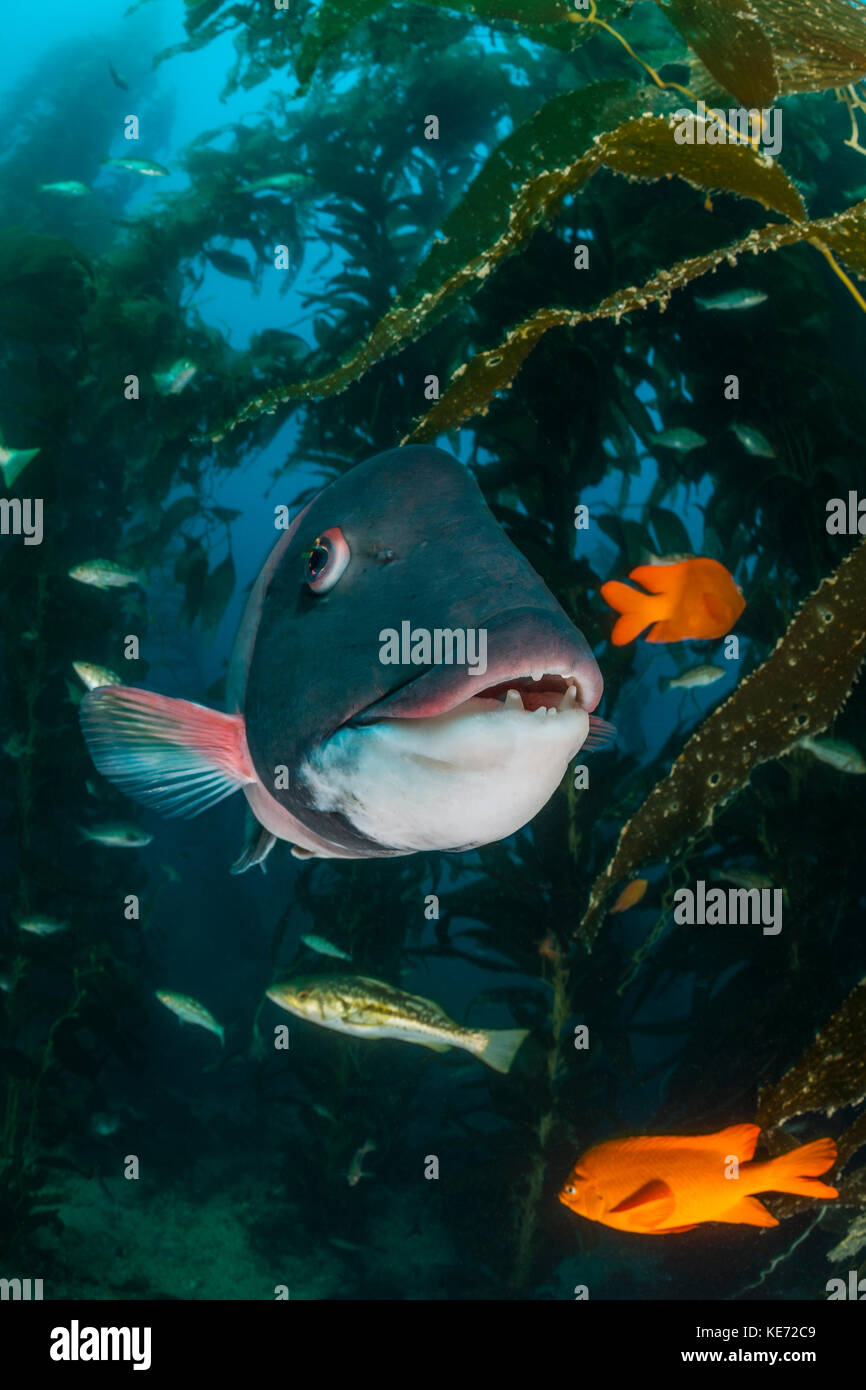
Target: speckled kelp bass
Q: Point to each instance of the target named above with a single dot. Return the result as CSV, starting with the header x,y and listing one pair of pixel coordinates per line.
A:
x,y
345,755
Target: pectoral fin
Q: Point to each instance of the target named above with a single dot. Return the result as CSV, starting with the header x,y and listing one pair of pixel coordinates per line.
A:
x,y
175,756
258,844
652,1203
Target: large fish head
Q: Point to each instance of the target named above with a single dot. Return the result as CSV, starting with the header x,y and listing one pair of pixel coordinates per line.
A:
x,y
388,745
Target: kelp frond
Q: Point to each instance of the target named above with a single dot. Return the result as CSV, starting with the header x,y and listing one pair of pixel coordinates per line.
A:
x,y
831,1072
798,690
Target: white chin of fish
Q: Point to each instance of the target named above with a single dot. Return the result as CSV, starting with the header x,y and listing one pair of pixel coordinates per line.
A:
x,y
454,781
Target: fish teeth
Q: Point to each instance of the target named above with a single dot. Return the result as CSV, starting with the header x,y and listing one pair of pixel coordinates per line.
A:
x,y
536,675
551,709
541,710
513,700
569,699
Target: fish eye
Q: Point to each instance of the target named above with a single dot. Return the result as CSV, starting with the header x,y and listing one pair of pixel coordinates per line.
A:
x,y
304,994
326,560
571,1191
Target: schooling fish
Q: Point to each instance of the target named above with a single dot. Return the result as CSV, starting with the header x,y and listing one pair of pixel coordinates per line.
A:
x,y
696,677
844,757
117,80
346,741
116,834
734,299
280,183
682,440
104,574
71,188
148,168
41,926
743,878
191,1011
366,1008
14,461
324,947
172,381
754,442
693,599
676,1182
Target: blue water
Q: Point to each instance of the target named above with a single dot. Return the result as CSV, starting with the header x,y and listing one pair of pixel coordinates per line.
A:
x,y
232,1140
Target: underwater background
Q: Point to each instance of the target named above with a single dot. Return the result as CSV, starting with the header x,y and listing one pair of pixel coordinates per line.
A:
x,y
599,381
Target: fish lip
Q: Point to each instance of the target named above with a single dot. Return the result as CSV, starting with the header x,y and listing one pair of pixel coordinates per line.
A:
x,y
523,640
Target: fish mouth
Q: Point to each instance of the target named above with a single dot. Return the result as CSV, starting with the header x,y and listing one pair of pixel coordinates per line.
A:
x,y
538,662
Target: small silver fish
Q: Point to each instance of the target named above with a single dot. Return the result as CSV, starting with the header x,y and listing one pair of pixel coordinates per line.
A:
x,y
356,1167
14,461
754,442
116,834
70,189
681,439
92,677
324,1112
147,167
324,947
844,757
172,381
338,1242
280,183
697,676
189,1010
38,925
734,299
104,574
742,878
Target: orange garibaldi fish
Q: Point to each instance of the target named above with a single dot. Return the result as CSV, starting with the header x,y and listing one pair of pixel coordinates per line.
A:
x,y
692,598
676,1182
